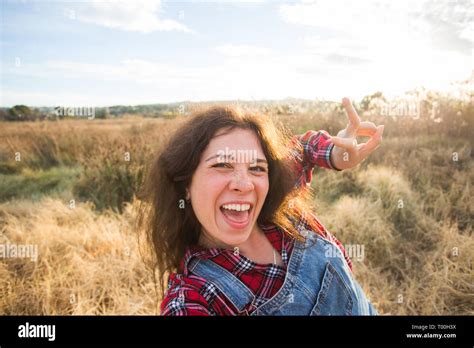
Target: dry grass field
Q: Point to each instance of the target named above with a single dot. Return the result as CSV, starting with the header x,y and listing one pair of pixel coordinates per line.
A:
x,y
68,189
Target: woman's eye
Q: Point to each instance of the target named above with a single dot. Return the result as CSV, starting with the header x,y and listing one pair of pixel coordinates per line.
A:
x,y
222,165
258,169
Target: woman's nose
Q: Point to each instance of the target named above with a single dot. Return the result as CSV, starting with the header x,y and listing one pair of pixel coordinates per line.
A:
x,y
241,182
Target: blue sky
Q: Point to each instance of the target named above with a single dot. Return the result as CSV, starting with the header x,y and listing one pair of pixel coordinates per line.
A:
x,y
139,52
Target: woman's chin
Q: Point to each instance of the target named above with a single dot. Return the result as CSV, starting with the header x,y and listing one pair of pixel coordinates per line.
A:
x,y
233,236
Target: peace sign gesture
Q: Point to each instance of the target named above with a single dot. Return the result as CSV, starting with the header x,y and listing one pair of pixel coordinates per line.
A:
x,y
347,153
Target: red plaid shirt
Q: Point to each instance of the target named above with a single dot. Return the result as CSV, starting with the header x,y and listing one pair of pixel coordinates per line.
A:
x,y
189,294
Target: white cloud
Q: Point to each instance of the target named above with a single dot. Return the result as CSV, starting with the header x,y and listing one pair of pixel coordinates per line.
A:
x,y
230,50
140,16
376,23
349,17
390,46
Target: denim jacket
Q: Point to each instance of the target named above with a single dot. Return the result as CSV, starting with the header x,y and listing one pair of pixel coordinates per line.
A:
x,y
317,282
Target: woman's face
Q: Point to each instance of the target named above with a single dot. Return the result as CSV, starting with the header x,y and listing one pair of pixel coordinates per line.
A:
x,y
229,187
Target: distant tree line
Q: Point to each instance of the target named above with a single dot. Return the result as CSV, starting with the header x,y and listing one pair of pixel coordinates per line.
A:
x,y
26,113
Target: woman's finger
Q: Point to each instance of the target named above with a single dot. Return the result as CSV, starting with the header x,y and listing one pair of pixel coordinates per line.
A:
x,y
366,129
365,149
345,143
342,133
354,119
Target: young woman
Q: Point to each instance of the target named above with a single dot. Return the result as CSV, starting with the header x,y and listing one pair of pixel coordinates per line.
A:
x,y
226,208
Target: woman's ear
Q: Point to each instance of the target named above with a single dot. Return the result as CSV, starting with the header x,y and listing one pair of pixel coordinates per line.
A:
x,y
188,195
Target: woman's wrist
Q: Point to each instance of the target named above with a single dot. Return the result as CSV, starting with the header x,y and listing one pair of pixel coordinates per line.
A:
x,y
333,158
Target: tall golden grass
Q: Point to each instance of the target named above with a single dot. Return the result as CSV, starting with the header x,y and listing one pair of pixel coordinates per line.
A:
x,y
409,205
88,263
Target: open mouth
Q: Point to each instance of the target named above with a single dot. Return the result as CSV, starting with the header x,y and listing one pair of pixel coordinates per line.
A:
x,y
236,215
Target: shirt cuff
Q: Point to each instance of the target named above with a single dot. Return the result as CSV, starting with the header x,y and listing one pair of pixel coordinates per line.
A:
x,y
328,157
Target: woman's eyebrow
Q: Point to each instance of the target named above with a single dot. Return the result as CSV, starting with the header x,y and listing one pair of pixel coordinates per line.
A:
x,y
226,157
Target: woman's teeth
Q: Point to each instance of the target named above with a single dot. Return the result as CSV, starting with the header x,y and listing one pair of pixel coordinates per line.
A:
x,y
237,207
236,215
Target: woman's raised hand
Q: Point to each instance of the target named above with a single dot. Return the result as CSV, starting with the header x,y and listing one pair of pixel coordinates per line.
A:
x,y
347,153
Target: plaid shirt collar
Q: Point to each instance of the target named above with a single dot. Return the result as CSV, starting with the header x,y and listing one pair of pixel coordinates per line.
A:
x,y
280,244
